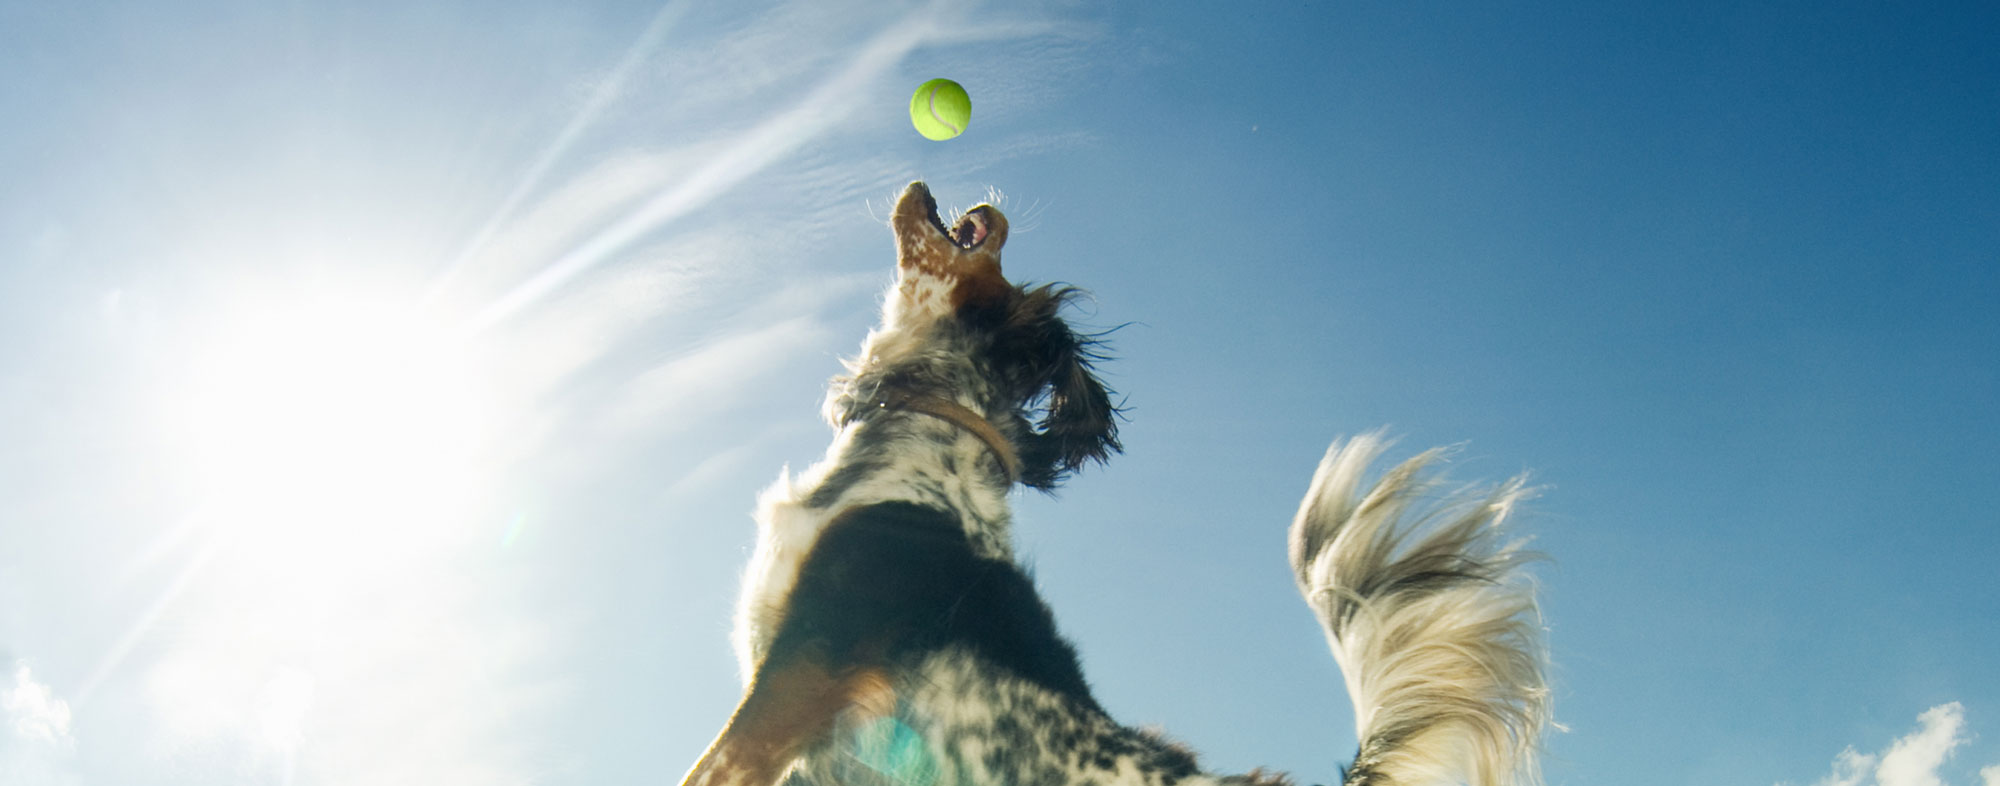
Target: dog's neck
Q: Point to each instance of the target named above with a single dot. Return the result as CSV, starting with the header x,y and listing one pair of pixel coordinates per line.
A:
x,y
958,415
904,454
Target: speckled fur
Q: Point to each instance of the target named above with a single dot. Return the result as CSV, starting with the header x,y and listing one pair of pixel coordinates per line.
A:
x,y
988,728
888,636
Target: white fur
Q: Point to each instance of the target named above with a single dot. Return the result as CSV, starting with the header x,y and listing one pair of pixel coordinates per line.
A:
x,y
1445,675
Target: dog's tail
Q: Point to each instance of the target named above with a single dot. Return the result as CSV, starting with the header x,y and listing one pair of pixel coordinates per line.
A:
x,y
1431,618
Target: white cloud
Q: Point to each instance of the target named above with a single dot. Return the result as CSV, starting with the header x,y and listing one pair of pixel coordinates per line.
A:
x,y
1913,759
36,744
1850,768
34,714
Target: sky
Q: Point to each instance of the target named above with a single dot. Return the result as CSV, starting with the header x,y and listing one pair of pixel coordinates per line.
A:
x,y
387,385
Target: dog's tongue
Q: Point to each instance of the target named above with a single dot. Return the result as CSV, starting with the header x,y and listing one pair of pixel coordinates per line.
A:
x,y
971,230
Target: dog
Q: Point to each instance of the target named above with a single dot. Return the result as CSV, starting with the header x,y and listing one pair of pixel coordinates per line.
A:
x,y
888,636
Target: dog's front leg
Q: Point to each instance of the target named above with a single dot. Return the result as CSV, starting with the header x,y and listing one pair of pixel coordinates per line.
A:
x,y
792,702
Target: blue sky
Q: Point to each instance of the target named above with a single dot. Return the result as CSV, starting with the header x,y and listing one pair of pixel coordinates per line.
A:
x,y
388,385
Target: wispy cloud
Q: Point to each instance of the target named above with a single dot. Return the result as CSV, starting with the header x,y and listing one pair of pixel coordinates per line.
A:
x,y
607,89
769,141
777,101
697,385
1913,759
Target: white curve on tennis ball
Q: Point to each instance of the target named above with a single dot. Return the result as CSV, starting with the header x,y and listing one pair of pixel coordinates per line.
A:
x,y
931,101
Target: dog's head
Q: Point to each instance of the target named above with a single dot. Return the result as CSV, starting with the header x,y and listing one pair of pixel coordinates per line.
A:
x,y
953,326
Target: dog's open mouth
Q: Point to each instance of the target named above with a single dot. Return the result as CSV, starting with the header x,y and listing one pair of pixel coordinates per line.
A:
x,y
971,229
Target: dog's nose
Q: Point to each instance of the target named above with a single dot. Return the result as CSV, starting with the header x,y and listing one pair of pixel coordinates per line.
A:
x,y
923,239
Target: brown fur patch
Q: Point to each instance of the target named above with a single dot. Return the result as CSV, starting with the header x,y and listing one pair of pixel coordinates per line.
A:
x,y
786,709
938,276
979,284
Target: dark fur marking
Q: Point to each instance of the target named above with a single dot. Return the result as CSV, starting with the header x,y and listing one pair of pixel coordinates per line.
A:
x,y
903,578
930,487
841,479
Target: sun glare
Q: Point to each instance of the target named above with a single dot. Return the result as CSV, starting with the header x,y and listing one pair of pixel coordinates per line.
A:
x,y
332,430
337,449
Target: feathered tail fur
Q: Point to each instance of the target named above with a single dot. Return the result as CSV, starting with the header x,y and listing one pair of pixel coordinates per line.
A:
x,y
1431,618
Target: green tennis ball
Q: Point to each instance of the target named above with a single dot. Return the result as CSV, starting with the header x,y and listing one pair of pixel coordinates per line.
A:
x,y
940,109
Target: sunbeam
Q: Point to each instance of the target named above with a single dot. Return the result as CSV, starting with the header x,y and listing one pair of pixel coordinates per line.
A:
x,y
162,599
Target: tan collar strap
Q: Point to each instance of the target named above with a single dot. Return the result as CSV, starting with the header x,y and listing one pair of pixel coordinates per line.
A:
x,y
958,415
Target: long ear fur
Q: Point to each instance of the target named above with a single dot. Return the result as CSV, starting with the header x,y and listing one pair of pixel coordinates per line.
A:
x,y
1078,423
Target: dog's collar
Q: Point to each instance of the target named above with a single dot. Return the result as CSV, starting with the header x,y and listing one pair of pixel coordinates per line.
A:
x,y
958,415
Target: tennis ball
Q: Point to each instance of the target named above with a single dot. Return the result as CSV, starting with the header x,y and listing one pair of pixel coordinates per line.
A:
x,y
940,109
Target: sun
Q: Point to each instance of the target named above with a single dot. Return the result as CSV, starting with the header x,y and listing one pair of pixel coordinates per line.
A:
x,y
331,429
337,451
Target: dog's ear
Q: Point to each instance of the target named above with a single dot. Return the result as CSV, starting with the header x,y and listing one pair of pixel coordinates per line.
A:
x,y
1075,421
1079,422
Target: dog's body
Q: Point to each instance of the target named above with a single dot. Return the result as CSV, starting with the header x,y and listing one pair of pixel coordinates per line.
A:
x,y
888,636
